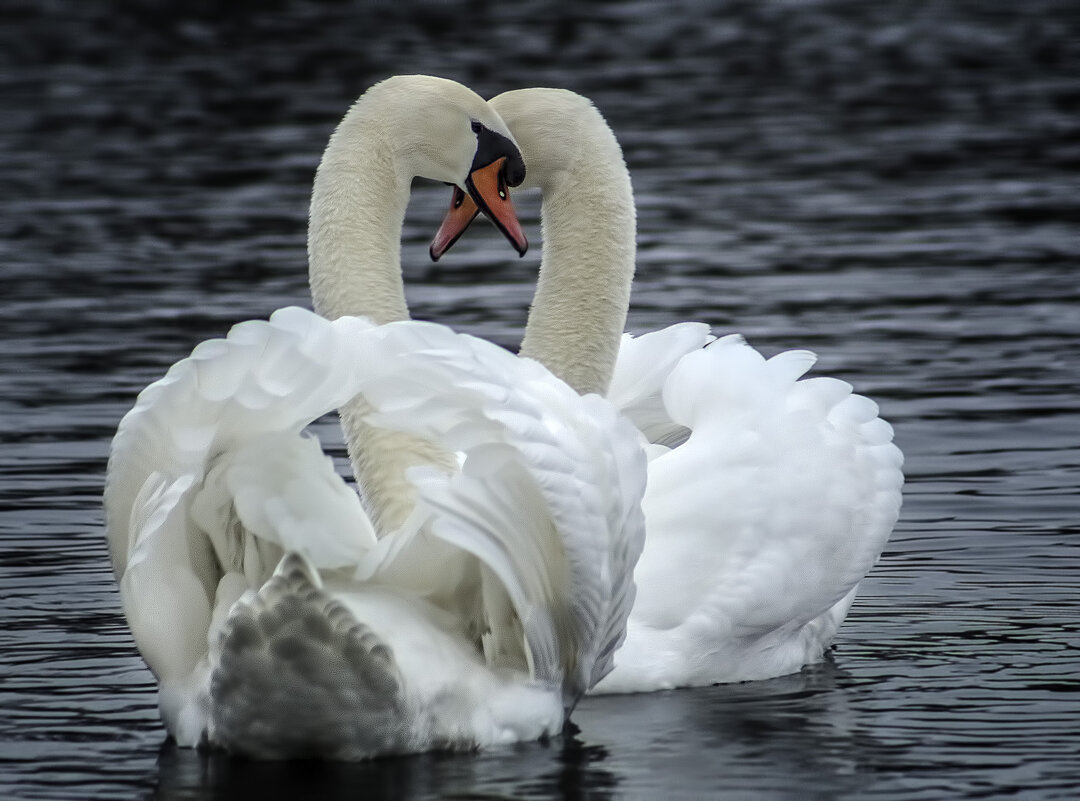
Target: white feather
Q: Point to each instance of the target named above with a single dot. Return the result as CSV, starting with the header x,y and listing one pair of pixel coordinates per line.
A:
x,y
769,496
760,525
276,622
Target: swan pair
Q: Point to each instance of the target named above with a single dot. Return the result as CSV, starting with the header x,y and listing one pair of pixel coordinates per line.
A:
x,y
488,577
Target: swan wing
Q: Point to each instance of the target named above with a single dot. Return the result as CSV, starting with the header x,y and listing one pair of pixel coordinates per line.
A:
x,y
211,481
548,497
265,378
765,519
641,368
226,521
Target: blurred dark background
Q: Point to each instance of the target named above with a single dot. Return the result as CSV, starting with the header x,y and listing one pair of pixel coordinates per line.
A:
x,y
123,120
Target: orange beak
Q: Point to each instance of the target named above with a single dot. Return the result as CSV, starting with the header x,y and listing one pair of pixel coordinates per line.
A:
x,y
488,193
459,216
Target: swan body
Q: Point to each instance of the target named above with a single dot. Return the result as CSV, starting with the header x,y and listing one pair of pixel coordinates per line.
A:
x,y
277,617
769,495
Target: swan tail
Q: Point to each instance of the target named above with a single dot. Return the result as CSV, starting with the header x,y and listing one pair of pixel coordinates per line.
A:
x,y
548,497
294,674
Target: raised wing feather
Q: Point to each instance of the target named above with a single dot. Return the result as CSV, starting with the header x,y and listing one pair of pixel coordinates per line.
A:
x,y
212,481
769,498
780,500
264,378
548,496
643,365
209,476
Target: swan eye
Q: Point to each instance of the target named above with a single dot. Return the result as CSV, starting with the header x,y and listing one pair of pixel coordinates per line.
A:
x,y
476,127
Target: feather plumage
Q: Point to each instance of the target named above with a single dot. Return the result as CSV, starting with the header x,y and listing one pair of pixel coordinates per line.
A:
x,y
276,622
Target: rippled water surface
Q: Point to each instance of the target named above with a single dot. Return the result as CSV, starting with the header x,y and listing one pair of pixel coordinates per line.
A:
x,y
893,185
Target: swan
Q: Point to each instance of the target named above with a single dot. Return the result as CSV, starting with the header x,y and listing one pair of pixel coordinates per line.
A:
x,y
483,583
769,497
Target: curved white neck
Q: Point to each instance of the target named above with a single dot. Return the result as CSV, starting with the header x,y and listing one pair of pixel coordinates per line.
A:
x,y
354,267
354,228
579,310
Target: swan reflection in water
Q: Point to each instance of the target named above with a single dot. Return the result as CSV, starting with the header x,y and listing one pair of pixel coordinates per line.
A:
x,y
798,724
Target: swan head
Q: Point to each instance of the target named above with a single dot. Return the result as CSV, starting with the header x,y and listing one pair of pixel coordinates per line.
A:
x,y
444,131
487,185
423,126
555,128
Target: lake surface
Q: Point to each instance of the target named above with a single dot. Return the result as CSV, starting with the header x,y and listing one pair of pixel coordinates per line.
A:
x,y
893,185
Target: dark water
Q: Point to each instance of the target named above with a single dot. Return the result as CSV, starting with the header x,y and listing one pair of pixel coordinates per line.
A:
x,y
894,185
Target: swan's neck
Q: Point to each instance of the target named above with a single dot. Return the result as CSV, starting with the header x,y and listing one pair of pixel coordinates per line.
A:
x,y
354,267
354,231
579,309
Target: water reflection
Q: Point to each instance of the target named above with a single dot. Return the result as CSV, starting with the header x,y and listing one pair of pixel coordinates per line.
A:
x,y
691,743
563,768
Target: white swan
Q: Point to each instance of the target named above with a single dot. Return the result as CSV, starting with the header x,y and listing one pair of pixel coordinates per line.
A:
x,y
276,622
769,498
